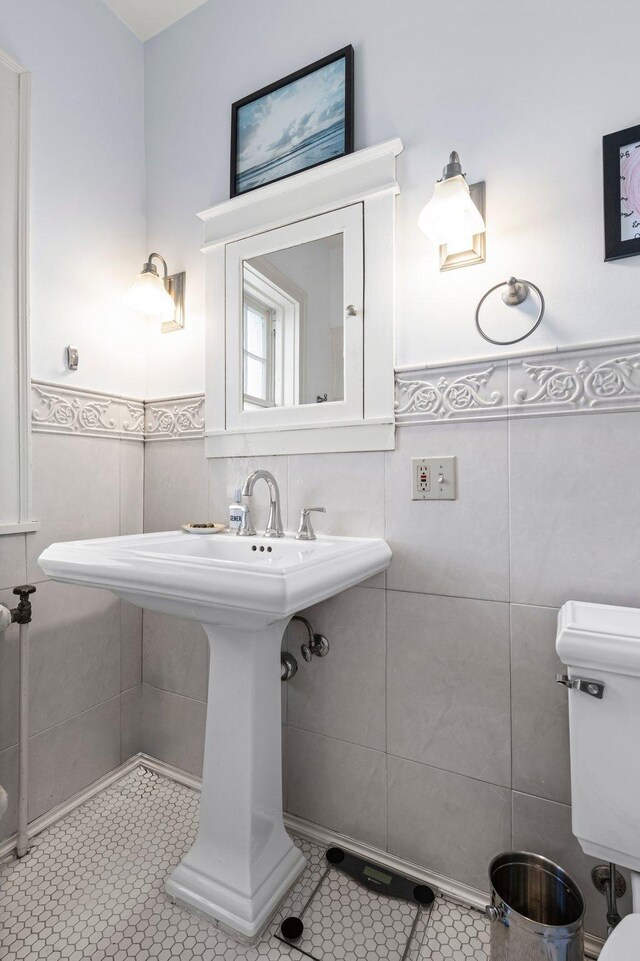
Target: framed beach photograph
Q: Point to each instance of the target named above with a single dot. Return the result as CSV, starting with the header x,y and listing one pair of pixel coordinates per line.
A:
x,y
299,122
621,168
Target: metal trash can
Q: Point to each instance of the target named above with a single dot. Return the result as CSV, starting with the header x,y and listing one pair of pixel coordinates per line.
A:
x,y
536,910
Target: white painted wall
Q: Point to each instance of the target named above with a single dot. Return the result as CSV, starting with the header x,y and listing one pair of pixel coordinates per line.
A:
x,y
525,101
87,187
523,92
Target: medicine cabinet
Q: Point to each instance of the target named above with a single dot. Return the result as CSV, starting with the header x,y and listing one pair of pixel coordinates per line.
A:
x,y
300,304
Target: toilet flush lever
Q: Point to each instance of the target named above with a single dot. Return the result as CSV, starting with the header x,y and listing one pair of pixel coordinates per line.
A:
x,y
584,684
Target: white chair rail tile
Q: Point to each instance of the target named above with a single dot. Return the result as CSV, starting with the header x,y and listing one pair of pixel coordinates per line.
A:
x,y
590,379
60,409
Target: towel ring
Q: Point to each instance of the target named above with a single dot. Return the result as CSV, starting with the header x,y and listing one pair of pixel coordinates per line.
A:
x,y
516,293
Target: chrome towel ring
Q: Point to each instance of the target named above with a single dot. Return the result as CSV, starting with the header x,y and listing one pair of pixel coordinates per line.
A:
x,y
516,292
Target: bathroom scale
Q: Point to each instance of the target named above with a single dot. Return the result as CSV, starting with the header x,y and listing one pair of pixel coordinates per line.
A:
x,y
360,908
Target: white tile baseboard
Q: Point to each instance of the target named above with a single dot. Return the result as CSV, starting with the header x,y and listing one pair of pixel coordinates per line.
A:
x,y
454,890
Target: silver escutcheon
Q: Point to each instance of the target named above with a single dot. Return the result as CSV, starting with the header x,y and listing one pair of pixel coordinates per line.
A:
x,y
494,913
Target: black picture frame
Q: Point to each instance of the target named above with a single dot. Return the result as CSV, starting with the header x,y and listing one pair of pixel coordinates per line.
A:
x,y
614,246
346,54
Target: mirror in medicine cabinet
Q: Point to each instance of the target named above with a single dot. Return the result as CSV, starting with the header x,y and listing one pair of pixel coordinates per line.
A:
x,y
293,325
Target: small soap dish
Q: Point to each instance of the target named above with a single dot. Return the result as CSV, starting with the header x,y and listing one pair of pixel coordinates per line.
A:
x,y
205,528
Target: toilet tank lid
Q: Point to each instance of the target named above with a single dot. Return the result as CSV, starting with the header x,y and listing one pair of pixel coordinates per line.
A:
x,y
601,636
622,944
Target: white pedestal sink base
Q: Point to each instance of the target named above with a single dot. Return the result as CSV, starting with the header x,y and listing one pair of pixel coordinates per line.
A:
x,y
242,862
204,897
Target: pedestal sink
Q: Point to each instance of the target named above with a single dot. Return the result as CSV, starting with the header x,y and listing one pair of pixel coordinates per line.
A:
x,y
243,591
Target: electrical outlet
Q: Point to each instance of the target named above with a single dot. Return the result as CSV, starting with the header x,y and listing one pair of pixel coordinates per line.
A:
x,y
422,477
433,478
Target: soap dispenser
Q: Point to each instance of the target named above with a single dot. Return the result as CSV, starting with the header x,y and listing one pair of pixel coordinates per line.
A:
x,y
235,510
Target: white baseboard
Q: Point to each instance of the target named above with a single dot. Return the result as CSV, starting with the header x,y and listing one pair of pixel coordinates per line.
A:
x,y
454,890
61,810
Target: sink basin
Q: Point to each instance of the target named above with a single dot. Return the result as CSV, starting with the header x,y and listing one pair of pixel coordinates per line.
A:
x,y
243,590
218,578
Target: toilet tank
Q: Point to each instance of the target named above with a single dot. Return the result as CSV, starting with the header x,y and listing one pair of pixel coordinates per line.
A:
x,y
601,643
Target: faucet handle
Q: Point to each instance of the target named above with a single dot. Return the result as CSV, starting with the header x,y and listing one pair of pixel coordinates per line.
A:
x,y
305,529
246,528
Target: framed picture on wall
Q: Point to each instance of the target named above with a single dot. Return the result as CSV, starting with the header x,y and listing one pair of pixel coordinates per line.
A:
x,y
621,166
301,121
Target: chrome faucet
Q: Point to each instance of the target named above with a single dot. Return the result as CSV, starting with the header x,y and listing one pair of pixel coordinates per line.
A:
x,y
274,524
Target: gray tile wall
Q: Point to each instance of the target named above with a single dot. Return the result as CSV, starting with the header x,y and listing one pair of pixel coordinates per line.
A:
x,y
86,646
434,728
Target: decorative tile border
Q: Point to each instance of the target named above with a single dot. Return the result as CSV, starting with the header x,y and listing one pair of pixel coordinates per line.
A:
x,y
591,379
584,380
441,394
63,410
174,418
576,382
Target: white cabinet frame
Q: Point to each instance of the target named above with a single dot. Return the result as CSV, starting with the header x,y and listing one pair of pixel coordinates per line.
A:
x,y
367,177
22,470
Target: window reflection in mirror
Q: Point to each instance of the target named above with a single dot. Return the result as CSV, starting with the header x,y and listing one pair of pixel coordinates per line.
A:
x,y
293,325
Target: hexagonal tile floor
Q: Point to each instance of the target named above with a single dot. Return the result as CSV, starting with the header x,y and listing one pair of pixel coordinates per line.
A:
x,y
92,888
455,932
344,921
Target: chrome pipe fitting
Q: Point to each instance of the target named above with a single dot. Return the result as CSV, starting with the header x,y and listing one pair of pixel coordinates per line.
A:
x,y
318,645
288,666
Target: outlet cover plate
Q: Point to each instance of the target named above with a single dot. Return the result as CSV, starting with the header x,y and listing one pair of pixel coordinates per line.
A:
x,y
433,478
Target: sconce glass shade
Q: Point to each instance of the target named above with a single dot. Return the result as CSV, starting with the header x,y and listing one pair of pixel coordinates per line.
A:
x,y
451,217
149,296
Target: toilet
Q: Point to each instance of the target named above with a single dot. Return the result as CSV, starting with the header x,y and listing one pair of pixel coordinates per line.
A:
x,y
600,646
623,944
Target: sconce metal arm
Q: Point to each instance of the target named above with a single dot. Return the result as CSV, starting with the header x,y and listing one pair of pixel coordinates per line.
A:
x,y
150,269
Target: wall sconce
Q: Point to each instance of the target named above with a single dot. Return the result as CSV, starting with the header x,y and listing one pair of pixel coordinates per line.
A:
x,y
454,218
158,297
